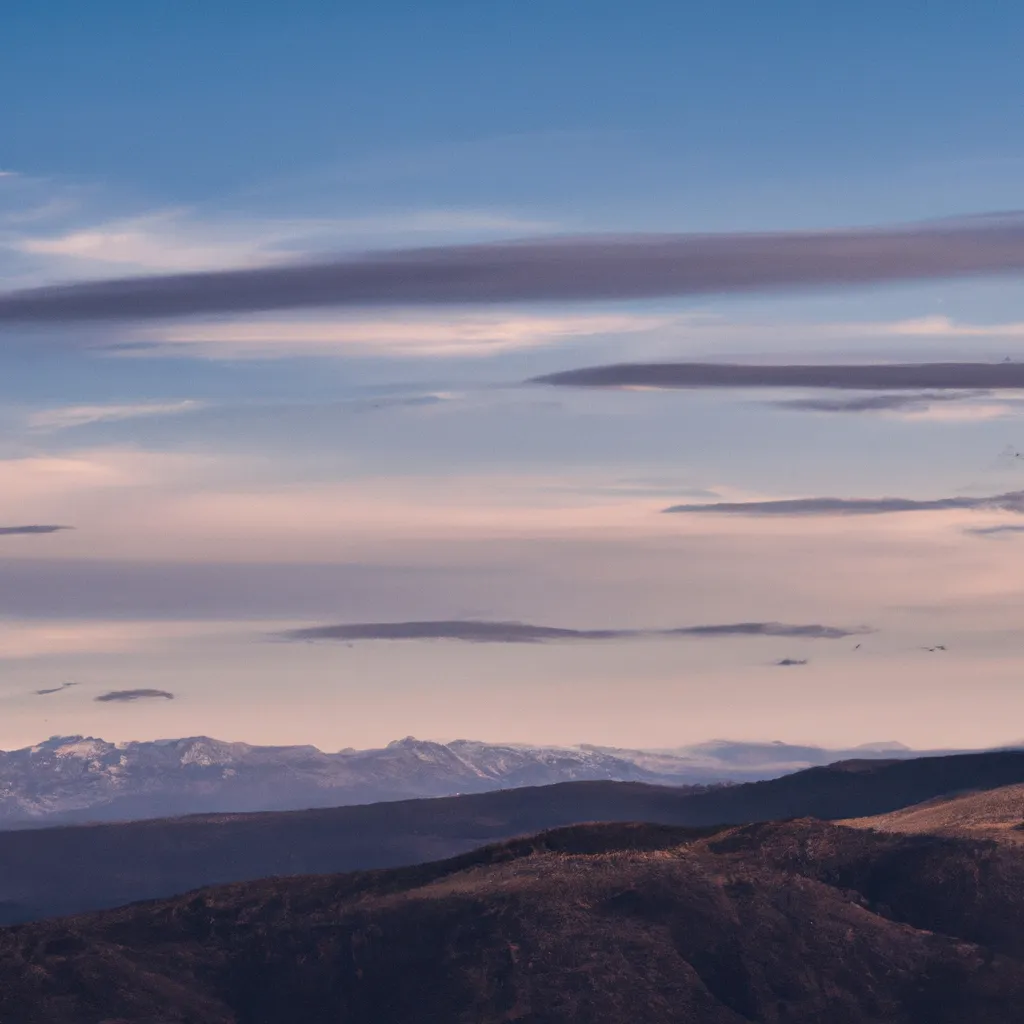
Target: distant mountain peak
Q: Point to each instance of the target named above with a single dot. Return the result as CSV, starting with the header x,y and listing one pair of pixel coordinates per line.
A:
x,y
76,778
406,741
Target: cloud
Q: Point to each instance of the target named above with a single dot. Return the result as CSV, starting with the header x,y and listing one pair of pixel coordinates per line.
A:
x,y
124,696
473,631
403,401
968,412
28,480
571,269
993,531
181,239
159,241
6,531
482,334
927,406
81,636
1010,502
55,689
875,403
945,327
812,632
470,631
857,377
714,331
66,417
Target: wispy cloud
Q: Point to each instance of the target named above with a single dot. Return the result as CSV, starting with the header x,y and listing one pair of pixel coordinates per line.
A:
x,y
473,631
437,336
963,412
713,331
573,269
126,696
994,531
1011,502
941,327
167,240
25,639
7,531
183,239
875,403
54,689
856,377
27,482
933,406
66,417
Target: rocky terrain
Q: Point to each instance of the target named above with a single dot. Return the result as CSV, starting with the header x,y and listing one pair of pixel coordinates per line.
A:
x,y
792,923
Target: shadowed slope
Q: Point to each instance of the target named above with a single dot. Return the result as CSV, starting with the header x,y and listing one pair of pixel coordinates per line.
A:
x,y
797,923
52,871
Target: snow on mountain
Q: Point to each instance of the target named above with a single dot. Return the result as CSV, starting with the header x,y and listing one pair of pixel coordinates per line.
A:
x,y
79,778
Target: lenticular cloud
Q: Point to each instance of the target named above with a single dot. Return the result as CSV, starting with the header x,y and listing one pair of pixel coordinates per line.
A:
x,y
591,268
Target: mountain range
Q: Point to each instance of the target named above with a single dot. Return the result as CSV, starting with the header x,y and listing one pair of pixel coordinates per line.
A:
x,y
69,779
784,923
68,869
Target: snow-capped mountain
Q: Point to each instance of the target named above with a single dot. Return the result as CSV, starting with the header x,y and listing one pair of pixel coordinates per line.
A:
x,y
78,778
82,778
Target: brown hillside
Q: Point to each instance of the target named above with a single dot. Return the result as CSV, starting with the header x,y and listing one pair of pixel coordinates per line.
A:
x,y
795,923
995,814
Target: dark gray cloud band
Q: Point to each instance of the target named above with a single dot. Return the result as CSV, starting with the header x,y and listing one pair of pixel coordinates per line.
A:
x,y
472,631
869,377
127,696
7,531
572,269
809,632
1011,502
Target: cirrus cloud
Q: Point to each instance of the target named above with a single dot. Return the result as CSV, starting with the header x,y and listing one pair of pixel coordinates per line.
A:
x,y
433,336
70,416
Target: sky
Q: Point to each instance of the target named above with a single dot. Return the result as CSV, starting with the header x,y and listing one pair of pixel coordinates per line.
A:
x,y
232,477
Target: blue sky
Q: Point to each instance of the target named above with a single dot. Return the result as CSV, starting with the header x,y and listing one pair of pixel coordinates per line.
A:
x,y
237,476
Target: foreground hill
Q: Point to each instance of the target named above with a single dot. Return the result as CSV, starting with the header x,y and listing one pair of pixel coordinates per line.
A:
x,y
45,872
794,923
994,814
